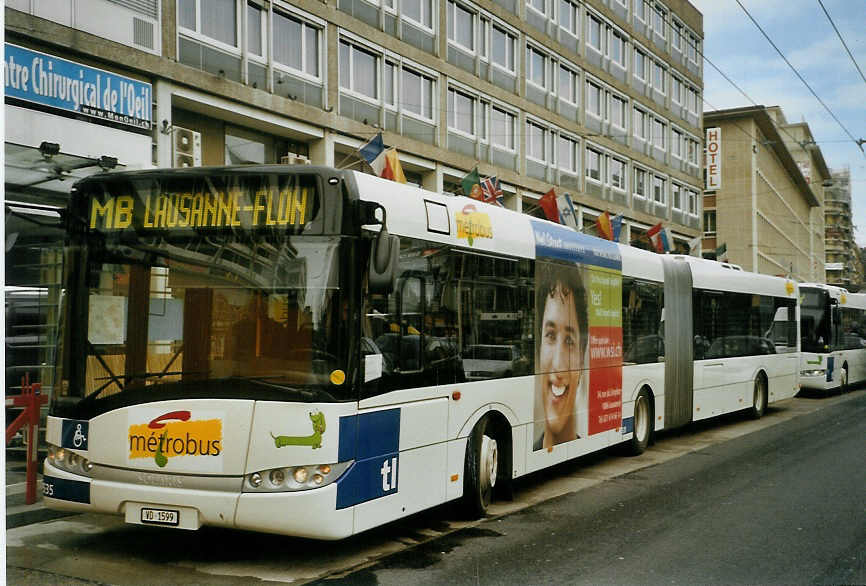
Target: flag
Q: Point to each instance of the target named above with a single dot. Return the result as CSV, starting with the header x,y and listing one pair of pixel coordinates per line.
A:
x,y
491,191
565,206
616,226
695,245
605,230
722,251
393,170
373,152
548,204
472,184
667,239
655,236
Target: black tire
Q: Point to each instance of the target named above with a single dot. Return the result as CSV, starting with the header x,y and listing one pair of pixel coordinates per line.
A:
x,y
480,471
643,424
759,398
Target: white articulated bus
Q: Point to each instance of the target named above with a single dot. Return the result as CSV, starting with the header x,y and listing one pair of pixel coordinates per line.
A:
x,y
833,329
315,352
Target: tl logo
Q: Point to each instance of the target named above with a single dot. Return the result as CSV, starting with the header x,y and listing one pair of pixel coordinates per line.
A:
x,y
389,474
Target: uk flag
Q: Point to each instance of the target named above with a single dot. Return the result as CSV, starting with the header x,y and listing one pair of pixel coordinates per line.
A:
x,y
492,191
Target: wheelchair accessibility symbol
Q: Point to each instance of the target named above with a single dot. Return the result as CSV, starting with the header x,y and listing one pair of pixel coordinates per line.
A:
x,y
79,438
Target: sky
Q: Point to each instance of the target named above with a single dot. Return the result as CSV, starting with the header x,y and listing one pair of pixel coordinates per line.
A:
x,y
804,34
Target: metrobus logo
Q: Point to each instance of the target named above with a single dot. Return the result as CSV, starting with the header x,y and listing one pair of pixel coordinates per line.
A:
x,y
196,443
472,224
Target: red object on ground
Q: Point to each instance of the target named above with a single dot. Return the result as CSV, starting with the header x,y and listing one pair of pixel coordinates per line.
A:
x,y
31,399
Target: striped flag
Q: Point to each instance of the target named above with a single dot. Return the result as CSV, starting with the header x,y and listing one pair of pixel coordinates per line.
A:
x,y
605,230
616,226
384,161
548,204
567,215
659,238
491,191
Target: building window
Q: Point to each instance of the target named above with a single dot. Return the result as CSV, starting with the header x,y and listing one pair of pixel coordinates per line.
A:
x,y
617,173
567,154
677,35
502,43
641,10
660,15
593,32
710,222
676,143
677,196
536,67
537,5
254,30
536,142
568,85
359,70
639,65
659,132
296,45
462,29
593,164
659,77
693,202
419,11
502,128
693,151
639,182
640,123
215,19
676,90
618,111
617,48
569,17
594,96
418,94
461,112
659,190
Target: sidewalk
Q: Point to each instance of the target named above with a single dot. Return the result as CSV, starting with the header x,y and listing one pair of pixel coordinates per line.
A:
x,y
18,513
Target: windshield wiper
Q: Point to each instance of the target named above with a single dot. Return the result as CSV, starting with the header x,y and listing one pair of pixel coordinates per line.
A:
x,y
306,394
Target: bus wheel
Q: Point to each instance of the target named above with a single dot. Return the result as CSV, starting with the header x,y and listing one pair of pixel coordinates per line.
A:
x,y
759,403
843,379
480,471
643,418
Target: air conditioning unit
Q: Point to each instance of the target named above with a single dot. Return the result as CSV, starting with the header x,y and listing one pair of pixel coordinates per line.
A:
x,y
293,159
186,148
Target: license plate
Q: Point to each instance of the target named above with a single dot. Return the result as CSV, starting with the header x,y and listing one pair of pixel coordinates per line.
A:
x,y
160,517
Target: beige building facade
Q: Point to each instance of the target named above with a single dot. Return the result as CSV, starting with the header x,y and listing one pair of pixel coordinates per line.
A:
x,y
767,210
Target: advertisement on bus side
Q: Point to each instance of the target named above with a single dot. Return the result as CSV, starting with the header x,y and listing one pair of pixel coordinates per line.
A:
x,y
578,337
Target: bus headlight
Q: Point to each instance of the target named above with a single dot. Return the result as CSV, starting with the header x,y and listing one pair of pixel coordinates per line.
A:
x,y
69,461
294,478
816,372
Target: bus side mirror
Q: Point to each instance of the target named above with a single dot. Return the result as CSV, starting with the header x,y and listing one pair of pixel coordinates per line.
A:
x,y
384,260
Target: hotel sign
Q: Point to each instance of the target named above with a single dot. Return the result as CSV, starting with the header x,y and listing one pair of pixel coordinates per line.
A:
x,y
67,86
714,159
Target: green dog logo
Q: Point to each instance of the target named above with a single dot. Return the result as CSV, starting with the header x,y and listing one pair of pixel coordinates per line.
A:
x,y
314,440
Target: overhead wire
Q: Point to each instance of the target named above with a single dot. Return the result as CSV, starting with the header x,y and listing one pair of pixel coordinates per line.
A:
x,y
844,44
800,77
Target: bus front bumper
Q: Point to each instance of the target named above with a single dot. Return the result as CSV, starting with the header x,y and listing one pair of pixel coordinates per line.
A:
x,y
310,513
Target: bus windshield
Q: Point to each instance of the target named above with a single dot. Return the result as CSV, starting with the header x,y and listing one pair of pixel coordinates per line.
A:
x,y
814,320
208,313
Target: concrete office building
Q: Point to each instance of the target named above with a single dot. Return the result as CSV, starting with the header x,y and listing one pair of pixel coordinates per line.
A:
x,y
767,210
601,98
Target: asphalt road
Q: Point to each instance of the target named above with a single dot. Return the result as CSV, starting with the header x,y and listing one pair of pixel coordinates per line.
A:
x,y
778,500
783,505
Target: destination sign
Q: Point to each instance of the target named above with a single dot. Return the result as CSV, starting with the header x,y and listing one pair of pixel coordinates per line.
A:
x,y
269,207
